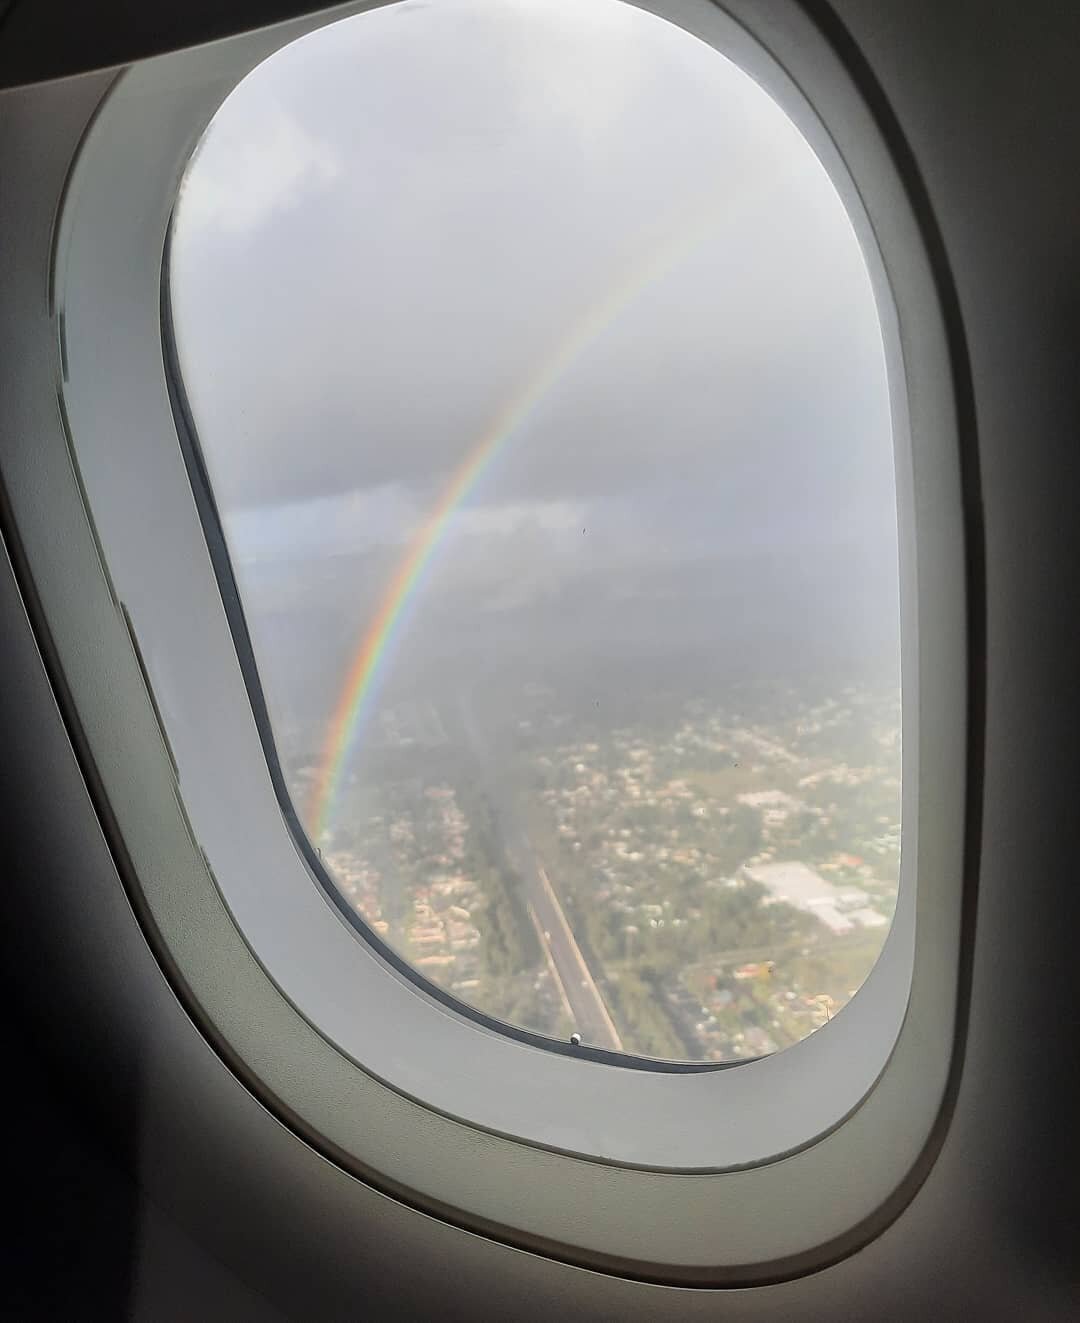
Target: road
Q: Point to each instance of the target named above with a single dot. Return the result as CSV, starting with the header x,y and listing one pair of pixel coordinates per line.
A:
x,y
588,1010
580,994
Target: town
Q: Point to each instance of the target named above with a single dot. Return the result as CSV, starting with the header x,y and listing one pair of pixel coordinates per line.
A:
x,y
710,882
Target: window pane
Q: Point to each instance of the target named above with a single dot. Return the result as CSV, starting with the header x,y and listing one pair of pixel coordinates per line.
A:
x,y
539,379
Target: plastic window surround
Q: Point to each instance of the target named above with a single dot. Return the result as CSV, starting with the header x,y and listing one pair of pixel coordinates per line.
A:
x,y
719,1176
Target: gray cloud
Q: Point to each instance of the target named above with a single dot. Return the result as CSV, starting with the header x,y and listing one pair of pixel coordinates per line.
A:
x,y
397,233
394,224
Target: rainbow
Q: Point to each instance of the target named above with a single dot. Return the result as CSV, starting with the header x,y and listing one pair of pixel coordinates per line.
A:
x,y
362,681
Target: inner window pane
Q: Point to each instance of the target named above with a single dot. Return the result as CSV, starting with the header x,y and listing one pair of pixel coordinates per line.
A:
x,y
539,379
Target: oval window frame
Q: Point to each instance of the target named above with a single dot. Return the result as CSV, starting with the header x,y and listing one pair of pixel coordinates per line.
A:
x,y
765,1215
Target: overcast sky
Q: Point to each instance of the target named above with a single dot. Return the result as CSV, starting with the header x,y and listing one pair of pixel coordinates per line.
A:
x,y
396,220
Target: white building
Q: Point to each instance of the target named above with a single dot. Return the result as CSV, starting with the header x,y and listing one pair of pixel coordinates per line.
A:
x,y
840,908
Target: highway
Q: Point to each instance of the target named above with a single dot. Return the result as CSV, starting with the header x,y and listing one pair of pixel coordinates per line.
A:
x,y
580,994
588,1010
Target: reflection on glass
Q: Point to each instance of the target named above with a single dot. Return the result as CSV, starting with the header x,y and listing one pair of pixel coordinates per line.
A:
x,y
539,379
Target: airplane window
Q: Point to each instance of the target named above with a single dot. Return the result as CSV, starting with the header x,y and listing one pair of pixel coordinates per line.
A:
x,y
539,381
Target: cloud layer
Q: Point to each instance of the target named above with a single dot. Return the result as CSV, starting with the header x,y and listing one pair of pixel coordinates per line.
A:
x,y
394,222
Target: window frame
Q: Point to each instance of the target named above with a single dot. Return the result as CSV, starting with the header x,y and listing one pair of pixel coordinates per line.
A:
x,y
769,1218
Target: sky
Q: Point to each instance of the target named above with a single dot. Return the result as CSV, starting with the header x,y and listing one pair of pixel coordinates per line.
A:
x,y
395,222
